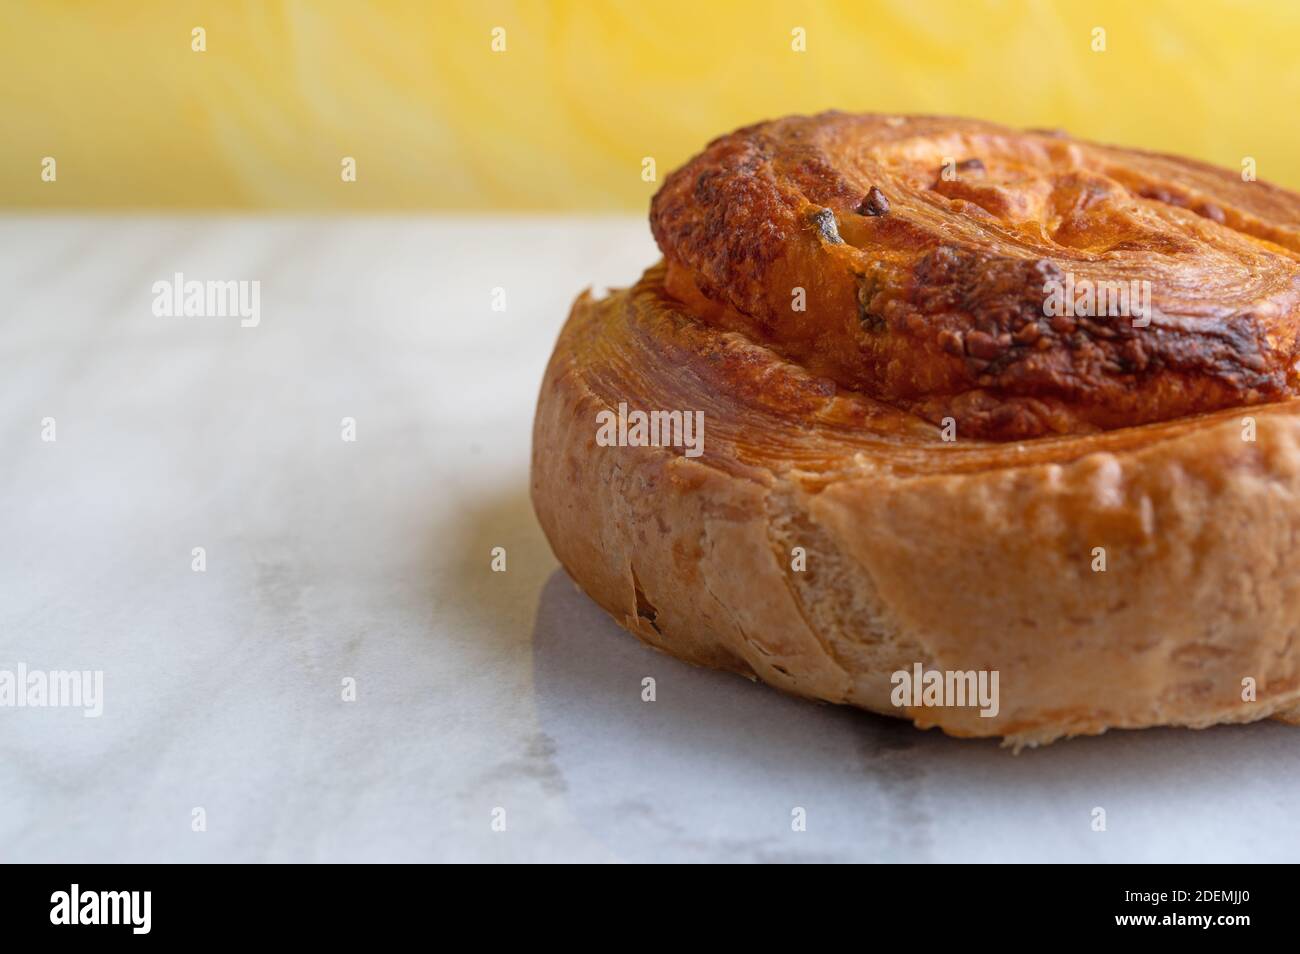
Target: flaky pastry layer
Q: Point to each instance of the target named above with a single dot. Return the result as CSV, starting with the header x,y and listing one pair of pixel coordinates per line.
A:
x,y
959,556
922,247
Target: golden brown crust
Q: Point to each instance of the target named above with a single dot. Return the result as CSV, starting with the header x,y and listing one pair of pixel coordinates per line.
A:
x,y
927,290
1172,450
958,556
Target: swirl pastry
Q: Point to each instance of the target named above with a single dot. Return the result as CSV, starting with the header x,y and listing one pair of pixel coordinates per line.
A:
x,y
911,402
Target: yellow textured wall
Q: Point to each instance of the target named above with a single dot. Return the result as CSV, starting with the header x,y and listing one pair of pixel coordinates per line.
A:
x,y
585,89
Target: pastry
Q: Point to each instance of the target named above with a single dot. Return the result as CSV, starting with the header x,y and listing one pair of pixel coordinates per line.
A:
x,y
992,430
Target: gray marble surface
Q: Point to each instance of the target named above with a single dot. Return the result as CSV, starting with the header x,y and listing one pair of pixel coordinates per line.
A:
x,y
369,560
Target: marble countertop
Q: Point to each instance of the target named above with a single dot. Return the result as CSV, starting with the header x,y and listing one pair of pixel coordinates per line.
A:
x,y
369,560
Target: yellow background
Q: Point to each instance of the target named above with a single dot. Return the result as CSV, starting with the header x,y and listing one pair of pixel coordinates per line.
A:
x,y
585,89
